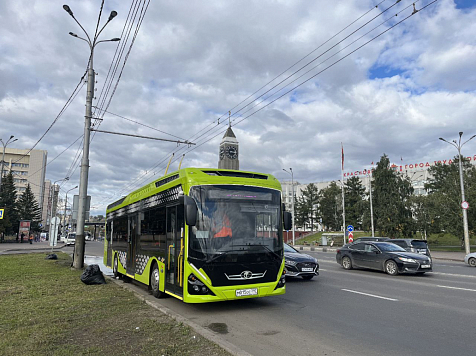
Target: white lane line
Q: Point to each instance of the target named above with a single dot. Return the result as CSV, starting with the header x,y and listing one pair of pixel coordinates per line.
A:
x,y
370,295
453,274
470,290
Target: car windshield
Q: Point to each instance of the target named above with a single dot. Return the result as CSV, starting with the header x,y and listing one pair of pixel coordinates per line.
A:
x,y
389,247
419,244
289,249
235,219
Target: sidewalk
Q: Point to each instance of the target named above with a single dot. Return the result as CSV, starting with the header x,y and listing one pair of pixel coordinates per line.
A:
x,y
436,255
25,247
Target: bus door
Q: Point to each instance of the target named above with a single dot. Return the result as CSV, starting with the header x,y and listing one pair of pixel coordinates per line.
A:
x,y
132,245
175,250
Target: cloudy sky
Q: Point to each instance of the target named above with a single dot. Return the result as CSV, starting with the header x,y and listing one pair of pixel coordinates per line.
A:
x,y
190,62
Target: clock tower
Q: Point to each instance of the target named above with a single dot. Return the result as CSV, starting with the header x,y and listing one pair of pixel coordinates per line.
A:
x,y
229,151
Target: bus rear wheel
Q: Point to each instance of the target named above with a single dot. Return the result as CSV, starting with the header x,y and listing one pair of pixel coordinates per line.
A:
x,y
115,267
155,282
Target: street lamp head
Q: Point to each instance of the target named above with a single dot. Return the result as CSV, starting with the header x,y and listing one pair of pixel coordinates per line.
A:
x,y
115,39
112,15
73,34
461,133
67,9
11,137
442,139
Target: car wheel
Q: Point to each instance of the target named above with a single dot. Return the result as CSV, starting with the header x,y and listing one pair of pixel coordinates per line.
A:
x,y
307,277
155,282
472,262
391,267
346,263
114,268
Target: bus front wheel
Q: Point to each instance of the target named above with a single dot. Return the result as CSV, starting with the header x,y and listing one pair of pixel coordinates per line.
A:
x,y
155,282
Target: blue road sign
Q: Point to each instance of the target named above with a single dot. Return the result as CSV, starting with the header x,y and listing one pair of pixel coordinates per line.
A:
x,y
1,213
350,228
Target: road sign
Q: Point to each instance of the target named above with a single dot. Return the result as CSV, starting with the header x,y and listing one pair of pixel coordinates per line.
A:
x,y
351,236
465,205
350,228
1,213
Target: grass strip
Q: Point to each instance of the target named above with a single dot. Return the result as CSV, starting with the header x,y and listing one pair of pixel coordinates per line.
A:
x,y
45,309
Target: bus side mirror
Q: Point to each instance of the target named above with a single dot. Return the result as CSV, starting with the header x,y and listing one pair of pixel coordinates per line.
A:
x,y
191,211
287,220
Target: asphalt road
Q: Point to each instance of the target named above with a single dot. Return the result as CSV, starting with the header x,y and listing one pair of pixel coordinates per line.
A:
x,y
353,312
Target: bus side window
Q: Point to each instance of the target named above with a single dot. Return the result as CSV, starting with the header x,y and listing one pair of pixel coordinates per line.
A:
x,y
119,234
153,229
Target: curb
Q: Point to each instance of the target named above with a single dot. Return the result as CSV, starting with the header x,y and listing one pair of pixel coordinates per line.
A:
x,y
207,334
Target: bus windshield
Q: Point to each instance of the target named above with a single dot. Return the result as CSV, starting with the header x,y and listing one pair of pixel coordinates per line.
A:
x,y
235,220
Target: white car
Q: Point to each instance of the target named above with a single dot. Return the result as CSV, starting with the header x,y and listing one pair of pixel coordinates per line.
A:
x,y
470,259
70,239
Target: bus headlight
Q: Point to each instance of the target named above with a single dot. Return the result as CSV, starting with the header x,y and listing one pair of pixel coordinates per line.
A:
x,y
281,282
197,287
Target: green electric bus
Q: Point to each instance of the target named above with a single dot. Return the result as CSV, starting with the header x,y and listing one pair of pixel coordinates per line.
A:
x,y
201,235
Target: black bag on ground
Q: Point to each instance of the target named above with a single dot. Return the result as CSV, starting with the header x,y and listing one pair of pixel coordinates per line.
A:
x,y
93,275
51,256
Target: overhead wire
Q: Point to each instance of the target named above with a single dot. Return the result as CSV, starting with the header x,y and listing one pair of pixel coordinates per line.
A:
x,y
346,27
302,83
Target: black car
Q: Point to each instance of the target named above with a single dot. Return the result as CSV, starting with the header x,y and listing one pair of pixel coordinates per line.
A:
x,y
413,245
298,264
383,256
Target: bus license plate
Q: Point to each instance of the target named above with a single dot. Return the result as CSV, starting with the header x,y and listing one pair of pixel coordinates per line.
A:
x,y
246,292
307,269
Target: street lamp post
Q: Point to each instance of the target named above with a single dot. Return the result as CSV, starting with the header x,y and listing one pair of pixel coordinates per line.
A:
x,y
78,256
66,202
52,190
3,155
371,206
292,199
458,146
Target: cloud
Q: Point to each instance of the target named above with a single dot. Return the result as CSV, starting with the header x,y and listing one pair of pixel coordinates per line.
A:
x,y
193,62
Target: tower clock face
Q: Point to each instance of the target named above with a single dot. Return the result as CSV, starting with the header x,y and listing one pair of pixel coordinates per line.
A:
x,y
231,152
222,152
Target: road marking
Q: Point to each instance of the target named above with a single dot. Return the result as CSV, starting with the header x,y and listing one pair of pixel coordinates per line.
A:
x,y
470,290
370,295
453,274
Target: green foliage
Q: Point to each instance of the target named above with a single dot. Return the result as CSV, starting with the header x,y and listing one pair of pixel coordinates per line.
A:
x,y
392,210
445,191
306,208
331,207
28,209
8,196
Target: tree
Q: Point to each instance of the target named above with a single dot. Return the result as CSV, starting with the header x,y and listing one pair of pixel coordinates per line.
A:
x,y
392,213
8,197
330,207
28,209
354,202
306,207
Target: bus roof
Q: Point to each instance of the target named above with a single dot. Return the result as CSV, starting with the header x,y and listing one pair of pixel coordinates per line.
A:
x,y
189,177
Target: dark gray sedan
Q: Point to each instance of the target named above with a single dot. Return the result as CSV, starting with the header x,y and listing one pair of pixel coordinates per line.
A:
x,y
383,256
298,264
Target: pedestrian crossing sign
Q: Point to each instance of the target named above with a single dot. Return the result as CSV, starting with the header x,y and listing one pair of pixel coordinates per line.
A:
x,y
1,213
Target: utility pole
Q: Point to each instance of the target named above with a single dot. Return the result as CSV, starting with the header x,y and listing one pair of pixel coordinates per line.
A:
x,y
65,203
78,255
292,199
458,146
